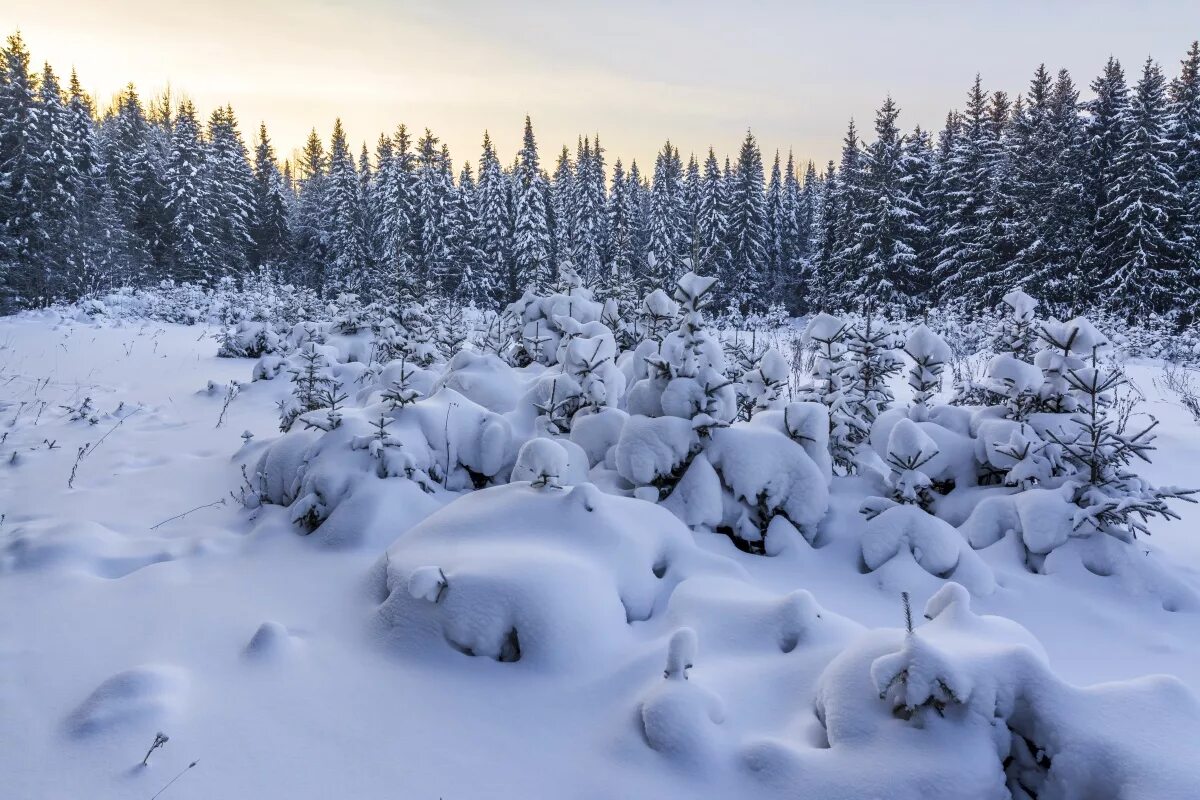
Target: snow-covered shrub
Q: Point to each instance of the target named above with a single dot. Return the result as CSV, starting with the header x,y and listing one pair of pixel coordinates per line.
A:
x,y
313,385
1065,346
825,336
873,362
909,449
1017,332
677,716
930,355
681,447
1018,385
1111,498
987,681
538,321
541,462
904,534
763,386
556,578
250,339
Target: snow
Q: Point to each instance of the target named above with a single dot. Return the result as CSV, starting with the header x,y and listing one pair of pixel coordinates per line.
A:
x,y
420,634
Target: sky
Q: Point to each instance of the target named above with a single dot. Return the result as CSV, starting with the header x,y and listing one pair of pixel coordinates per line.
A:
x,y
637,73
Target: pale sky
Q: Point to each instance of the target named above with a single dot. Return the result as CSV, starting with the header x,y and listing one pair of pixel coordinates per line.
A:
x,y
637,72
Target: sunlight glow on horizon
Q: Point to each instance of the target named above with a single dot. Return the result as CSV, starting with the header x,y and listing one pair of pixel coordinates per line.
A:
x,y
637,74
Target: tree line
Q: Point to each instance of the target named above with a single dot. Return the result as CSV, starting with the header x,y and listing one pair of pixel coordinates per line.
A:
x,y
1092,204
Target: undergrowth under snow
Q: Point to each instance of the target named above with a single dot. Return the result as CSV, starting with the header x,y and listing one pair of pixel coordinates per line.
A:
x,y
584,557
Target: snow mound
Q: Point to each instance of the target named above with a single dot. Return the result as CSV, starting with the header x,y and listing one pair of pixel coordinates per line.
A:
x,y
552,578
141,697
271,642
935,545
677,715
989,678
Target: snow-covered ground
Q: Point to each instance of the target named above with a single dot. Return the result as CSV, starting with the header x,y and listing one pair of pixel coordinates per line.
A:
x,y
140,597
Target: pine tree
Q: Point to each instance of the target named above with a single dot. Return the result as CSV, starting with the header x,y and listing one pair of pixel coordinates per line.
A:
x,y
494,224
349,258
135,173
192,215
1185,138
56,187
967,265
268,222
589,213
748,228
890,222
531,233
917,169
712,228
1140,242
665,220
230,183
311,224
1105,130
99,237
562,212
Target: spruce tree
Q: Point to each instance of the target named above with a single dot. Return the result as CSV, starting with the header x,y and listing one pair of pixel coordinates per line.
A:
x,y
23,283
230,183
1140,242
56,187
311,224
917,170
1105,130
398,230
268,222
712,228
1185,139
98,234
844,261
192,215
967,265
531,234
665,221
825,249
562,212
776,224
493,222
135,173
889,222
748,228
589,223
349,257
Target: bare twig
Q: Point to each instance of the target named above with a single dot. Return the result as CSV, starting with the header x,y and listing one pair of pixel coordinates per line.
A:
x,y
220,502
160,739
230,392
177,777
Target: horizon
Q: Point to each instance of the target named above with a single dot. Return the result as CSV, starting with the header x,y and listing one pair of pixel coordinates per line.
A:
x,y
634,108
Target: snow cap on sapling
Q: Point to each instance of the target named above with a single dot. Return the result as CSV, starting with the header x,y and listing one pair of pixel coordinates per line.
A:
x,y
427,583
542,462
681,654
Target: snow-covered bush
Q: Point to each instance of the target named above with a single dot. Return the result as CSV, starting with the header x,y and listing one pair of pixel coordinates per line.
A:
x,y
556,578
1111,498
825,336
930,354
